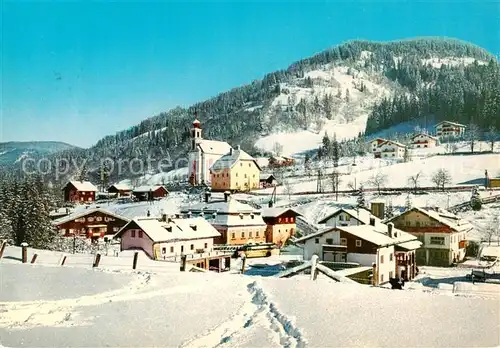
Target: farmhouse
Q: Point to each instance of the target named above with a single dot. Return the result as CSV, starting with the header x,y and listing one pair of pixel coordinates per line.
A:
x,y
235,171
423,140
449,129
375,144
281,161
79,192
280,224
202,155
347,217
120,190
390,149
442,233
237,223
149,193
169,237
91,223
390,251
267,180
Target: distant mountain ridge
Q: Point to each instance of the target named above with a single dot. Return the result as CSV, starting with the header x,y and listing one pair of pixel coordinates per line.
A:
x,y
12,152
351,89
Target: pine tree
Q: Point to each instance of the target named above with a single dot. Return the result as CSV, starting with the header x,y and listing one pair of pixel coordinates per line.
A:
x,y
475,200
389,210
335,151
408,202
361,201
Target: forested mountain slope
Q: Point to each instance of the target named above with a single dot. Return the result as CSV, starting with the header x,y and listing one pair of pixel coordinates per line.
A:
x,y
342,90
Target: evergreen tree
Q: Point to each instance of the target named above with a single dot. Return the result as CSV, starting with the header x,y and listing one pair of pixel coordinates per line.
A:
x,y
475,200
389,210
408,202
335,151
361,201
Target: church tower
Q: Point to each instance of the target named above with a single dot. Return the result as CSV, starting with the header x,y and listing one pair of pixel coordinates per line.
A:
x,y
195,132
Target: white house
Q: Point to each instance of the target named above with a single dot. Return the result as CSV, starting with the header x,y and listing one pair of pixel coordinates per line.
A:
x,y
169,237
449,129
347,217
367,245
375,144
203,154
391,149
423,140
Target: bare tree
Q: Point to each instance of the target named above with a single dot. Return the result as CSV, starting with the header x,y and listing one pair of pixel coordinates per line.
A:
x,y
335,177
414,181
496,228
378,180
472,135
277,148
288,189
441,178
488,233
492,137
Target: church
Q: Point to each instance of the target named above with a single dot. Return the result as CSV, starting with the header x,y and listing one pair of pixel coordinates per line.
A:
x,y
203,154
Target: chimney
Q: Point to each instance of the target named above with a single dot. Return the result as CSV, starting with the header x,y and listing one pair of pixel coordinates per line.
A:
x,y
270,203
231,151
164,217
372,221
169,219
226,196
194,227
390,231
207,197
177,216
149,213
238,148
189,214
378,209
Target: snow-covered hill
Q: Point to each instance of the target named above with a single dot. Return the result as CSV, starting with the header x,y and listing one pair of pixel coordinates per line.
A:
x,y
15,151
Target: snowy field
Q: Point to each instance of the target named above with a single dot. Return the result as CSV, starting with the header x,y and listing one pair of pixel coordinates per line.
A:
x,y
79,307
483,219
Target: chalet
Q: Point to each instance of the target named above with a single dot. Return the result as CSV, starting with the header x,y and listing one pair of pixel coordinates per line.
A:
x,y
375,144
267,180
79,192
235,171
442,233
423,140
347,217
202,155
390,149
238,223
169,237
149,193
92,223
280,224
449,129
120,190
376,245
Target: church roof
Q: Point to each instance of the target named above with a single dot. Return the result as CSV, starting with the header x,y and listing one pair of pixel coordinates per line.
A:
x,y
214,147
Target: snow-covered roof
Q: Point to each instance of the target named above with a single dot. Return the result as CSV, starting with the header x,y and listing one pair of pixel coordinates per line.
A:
x,y
120,187
86,212
452,123
424,134
231,158
214,147
173,229
148,188
376,139
274,212
266,176
230,213
83,186
446,218
361,215
392,142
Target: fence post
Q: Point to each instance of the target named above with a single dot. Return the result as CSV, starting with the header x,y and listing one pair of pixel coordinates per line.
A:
x,y
97,260
33,259
24,252
134,264
243,263
62,260
314,270
2,249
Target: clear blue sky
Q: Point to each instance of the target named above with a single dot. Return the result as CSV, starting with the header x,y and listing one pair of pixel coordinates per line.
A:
x,y
77,71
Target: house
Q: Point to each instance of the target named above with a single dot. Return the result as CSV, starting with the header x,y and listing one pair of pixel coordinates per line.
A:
x,y
374,245
238,223
347,217
235,171
162,238
280,224
449,129
202,155
79,191
281,161
390,149
493,182
442,233
267,180
91,223
423,140
149,193
120,190
375,144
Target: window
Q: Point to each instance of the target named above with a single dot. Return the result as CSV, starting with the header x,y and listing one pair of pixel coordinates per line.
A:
x,y
171,249
116,229
132,233
233,235
140,233
390,257
417,223
343,241
257,234
242,234
348,218
98,218
358,243
437,240
316,240
241,164
381,258
250,234
329,241
391,275
250,164
236,174
90,219
182,248
341,218
206,245
192,246
381,278
163,250
245,176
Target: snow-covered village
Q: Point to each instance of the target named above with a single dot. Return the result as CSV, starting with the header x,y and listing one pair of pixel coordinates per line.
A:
x,y
350,200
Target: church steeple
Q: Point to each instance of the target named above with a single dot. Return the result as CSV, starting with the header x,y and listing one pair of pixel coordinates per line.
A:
x,y
195,132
